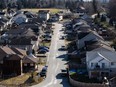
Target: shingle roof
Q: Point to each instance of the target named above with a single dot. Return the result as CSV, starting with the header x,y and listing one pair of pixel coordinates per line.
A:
x,y
82,34
96,34
20,41
18,51
21,32
13,53
108,55
91,45
104,48
28,59
83,28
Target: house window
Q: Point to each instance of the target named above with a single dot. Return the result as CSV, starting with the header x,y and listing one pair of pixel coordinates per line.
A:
x,y
91,64
25,64
31,64
112,63
103,65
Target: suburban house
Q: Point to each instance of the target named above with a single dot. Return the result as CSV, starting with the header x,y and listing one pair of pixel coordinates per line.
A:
x,y
34,26
82,28
79,22
87,37
101,63
19,19
44,14
14,61
22,38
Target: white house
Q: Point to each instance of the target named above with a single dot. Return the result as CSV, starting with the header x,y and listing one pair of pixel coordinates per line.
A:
x,y
44,14
101,63
91,36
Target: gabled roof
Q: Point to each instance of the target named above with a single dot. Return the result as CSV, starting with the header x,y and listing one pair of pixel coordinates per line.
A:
x,y
83,28
28,59
104,48
20,41
82,34
11,53
22,32
97,35
28,32
107,55
92,45
94,34
14,57
7,50
18,51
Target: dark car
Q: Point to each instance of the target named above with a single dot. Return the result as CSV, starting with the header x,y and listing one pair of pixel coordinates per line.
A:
x,y
42,51
63,48
41,47
62,37
44,48
44,71
63,72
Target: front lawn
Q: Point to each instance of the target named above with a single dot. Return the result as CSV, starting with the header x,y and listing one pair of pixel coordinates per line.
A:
x,y
47,44
15,80
52,10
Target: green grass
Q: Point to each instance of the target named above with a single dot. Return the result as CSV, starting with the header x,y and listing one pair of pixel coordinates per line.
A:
x,y
52,10
45,44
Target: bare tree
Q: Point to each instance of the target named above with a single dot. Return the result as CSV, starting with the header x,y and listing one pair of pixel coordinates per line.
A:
x,y
95,6
112,8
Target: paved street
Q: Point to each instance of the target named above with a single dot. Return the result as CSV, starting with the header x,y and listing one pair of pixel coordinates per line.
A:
x,y
55,62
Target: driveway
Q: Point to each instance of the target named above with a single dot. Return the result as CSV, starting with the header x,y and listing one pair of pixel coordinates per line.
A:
x,y
56,61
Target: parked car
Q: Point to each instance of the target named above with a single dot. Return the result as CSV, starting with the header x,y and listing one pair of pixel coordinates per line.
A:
x,y
47,36
44,48
62,37
42,51
63,48
47,39
44,71
63,72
